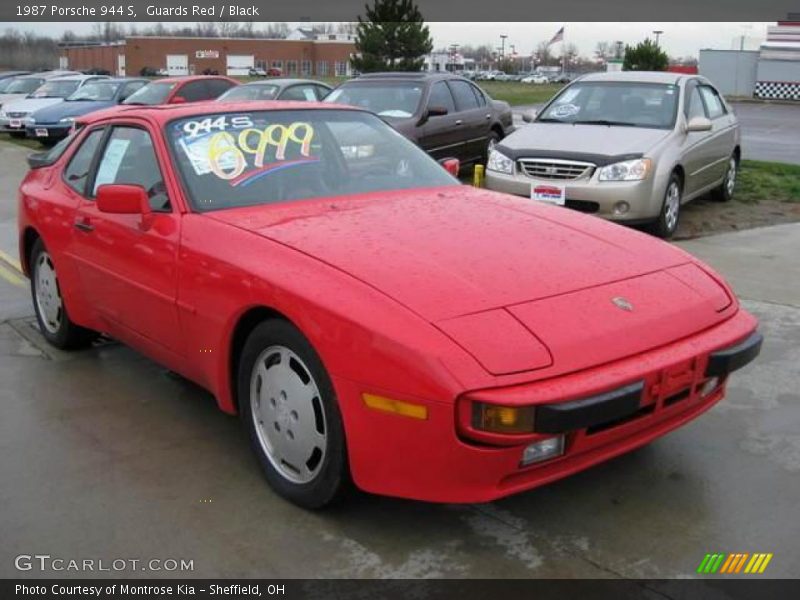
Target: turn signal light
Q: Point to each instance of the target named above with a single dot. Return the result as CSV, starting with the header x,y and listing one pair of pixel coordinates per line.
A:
x,y
398,407
502,419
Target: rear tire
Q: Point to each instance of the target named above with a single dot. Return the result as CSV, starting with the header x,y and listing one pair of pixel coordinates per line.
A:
x,y
724,193
51,312
289,408
667,222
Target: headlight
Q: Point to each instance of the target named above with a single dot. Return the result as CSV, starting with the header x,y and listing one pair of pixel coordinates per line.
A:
x,y
500,162
68,120
502,419
3,114
628,170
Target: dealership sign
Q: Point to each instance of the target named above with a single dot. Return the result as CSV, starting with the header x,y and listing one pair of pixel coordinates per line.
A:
x,y
206,54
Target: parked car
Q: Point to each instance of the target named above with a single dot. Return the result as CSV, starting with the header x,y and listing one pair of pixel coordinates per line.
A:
x,y
537,79
21,86
14,113
630,147
277,89
274,72
256,72
370,319
6,77
176,90
53,123
446,115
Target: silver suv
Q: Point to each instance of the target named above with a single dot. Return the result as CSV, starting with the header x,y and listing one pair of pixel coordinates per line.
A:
x,y
630,146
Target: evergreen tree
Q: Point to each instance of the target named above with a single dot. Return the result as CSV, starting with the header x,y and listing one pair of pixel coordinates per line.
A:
x,y
392,37
645,56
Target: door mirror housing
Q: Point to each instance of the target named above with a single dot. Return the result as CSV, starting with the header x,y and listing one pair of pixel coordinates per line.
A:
x,y
178,100
698,124
118,199
529,115
437,111
451,165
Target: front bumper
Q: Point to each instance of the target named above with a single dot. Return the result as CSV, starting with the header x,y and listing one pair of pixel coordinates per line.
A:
x,y
15,125
54,131
591,196
432,460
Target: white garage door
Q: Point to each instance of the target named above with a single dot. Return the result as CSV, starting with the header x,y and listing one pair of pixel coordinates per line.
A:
x,y
240,64
177,64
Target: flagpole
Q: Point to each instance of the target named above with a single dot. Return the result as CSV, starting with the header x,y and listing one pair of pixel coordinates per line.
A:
x,y
564,51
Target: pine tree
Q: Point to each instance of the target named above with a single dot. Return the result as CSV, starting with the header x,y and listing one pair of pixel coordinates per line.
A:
x,y
645,56
393,37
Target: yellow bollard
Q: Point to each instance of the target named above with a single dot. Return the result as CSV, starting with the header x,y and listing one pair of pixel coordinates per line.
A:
x,y
478,176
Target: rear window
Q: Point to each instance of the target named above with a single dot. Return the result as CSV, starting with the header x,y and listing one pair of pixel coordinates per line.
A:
x,y
250,92
392,99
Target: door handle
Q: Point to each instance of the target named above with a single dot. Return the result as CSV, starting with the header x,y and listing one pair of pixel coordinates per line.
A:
x,y
459,122
84,225
488,117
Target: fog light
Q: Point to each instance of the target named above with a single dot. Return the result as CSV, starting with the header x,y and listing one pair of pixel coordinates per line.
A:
x,y
620,208
709,386
543,450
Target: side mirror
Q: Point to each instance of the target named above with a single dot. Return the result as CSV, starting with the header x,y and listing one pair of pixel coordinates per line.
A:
x,y
698,124
529,115
437,111
451,165
178,100
118,199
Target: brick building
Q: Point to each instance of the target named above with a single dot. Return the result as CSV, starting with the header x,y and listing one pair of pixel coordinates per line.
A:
x,y
324,55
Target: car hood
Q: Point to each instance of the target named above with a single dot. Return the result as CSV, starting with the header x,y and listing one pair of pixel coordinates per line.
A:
x,y
74,108
556,139
518,285
5,98
29,105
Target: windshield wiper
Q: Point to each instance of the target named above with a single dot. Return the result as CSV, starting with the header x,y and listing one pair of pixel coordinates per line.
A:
x,y
549,120
604,122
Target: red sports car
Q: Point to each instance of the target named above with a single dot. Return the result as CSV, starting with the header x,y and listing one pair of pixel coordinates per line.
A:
x,y
370,319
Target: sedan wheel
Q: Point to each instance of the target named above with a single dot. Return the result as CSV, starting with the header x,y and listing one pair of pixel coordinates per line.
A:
x,y
725,191
290,410
667,221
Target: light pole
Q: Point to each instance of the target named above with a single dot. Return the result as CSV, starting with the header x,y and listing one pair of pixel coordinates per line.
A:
x,y
503,46
453,55
657,33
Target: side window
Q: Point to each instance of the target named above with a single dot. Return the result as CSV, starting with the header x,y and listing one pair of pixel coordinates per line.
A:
x,y
713,103
217,87
321,91
694,106
465,98
129,158
299,92
77,171
194,91
478,96
441,96
129,88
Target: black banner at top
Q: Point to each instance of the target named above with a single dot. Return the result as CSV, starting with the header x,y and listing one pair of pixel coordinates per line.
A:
x,y
143,11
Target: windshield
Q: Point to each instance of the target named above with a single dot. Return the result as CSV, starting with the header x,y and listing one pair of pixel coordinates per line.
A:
x,y
250,92
97,91
397,99
652,105
152,93
264,157
4,83
56,89
23,86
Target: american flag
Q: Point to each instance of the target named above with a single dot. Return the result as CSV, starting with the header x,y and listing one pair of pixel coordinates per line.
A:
x,y
558,37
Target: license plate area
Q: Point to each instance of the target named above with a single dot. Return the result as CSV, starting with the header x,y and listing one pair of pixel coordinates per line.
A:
x,y
549,193
40,132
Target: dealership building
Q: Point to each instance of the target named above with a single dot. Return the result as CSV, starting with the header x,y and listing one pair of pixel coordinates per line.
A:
x,y
302,54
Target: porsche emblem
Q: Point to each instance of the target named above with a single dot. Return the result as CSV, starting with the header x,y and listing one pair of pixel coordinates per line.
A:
x,y
622,303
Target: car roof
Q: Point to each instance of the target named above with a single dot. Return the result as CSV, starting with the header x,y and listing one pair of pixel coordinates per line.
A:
x,y
283,81
188,78
81,77
635,76
406,75
162,113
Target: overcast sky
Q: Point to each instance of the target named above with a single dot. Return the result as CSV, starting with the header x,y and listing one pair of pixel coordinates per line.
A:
x,y
678,39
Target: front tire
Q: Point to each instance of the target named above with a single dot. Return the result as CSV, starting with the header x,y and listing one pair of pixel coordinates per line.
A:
x,y
667,222
51,312
292,417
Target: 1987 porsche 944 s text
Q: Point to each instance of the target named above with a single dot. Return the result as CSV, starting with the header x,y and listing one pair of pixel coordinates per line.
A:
x,y
370,319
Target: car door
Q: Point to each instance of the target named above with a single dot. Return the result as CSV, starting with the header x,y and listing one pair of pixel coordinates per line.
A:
x,y
723,135
474,124
698,153
441,136
127,262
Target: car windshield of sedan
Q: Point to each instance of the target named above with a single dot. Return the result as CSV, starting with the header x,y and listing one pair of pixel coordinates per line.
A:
x,y
23,86
392,99
250,92
100,91
263,157
5,83
56,89
151,94
628,104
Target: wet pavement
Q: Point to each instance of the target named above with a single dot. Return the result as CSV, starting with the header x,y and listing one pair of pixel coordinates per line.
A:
x,y
104,454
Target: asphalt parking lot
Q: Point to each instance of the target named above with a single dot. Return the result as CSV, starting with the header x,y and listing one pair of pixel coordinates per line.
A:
x,y
769,131
103,454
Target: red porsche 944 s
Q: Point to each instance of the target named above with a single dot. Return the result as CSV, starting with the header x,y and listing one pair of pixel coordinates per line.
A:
x,y
370,319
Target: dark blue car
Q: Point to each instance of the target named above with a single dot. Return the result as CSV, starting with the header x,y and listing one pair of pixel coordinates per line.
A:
x,y
53,123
